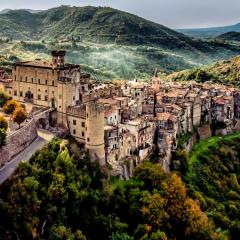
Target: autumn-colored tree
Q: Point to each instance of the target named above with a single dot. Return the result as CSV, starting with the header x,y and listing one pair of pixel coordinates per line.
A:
x,y
19,116
198,224
10,106
3,123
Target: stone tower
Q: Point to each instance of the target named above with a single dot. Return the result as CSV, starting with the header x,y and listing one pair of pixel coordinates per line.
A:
x,y
95,132
58,58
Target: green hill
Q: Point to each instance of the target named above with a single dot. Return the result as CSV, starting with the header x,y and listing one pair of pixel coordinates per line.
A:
x,y
213,178
142,45
224,72
229,36
60,195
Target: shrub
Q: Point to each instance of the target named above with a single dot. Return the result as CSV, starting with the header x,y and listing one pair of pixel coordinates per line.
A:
x,y
10,106
3,98
3,136
19,116
3,123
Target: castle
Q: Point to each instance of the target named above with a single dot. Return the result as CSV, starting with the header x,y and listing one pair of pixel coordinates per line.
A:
x,y
119,124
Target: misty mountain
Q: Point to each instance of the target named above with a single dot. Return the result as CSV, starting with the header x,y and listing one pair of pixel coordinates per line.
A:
x,y
146,44
29,10
210,32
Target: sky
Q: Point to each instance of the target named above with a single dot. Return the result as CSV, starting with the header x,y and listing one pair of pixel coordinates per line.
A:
x,y
171,13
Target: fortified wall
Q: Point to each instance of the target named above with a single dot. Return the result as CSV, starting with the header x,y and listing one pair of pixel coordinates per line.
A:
x,y
17,142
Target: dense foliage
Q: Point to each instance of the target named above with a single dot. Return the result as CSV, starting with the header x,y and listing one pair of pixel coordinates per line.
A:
x,y
10,106
60,195
224,72
213,178
3,122
19,116
3,98
3,136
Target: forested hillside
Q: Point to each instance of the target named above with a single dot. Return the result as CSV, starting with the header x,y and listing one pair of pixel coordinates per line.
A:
x,y
224,72
60,195
213,178
108,42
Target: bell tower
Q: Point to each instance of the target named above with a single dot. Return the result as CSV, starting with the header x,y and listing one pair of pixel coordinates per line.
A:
x,y
58,58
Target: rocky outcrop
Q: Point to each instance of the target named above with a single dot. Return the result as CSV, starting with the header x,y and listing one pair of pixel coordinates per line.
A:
x,y
17,142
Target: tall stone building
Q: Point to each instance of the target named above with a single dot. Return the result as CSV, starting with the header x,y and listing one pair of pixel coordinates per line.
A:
x,y
64,88
52,84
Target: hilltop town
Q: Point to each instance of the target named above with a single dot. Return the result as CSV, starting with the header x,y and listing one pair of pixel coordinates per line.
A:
x,y
121,123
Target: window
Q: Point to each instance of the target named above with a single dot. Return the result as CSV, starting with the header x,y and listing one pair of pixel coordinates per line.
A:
x,y
20,78
46,97
83,124
46,91
52,83
83,134
88,140
74,122
74,131
109,134
15,78
32,80
39,97
21,93
15,92
73,98
26,79
59,106
53,92
39,81
46,82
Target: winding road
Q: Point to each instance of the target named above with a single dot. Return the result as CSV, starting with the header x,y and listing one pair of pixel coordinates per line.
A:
x,y
43,138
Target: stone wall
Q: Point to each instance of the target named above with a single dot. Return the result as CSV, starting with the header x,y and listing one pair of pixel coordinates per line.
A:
x,y
17,142
204,132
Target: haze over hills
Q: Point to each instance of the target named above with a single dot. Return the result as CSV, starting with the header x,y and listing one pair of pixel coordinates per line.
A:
x,y
209,32
107,42
29,10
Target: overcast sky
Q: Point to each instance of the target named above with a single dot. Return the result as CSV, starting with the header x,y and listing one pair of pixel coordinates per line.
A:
x,y
172,13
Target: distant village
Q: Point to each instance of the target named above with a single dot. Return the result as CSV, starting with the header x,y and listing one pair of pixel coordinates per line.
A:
x,y
120,124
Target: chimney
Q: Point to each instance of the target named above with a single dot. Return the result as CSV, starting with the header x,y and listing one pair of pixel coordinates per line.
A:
x,y
58,58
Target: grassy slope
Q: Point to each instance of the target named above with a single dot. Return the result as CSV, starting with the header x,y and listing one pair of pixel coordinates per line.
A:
x,y
213,179
202,147
224,72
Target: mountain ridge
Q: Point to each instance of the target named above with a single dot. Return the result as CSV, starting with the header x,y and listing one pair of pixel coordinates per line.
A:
x,y
211,31
145,44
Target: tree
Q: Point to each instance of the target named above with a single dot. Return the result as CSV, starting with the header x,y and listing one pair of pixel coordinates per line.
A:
x,y
3,136
3,98
60,232
10,106
3,123
19,116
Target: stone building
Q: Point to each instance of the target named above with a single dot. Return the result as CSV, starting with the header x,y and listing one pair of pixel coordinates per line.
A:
x,y
52,84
